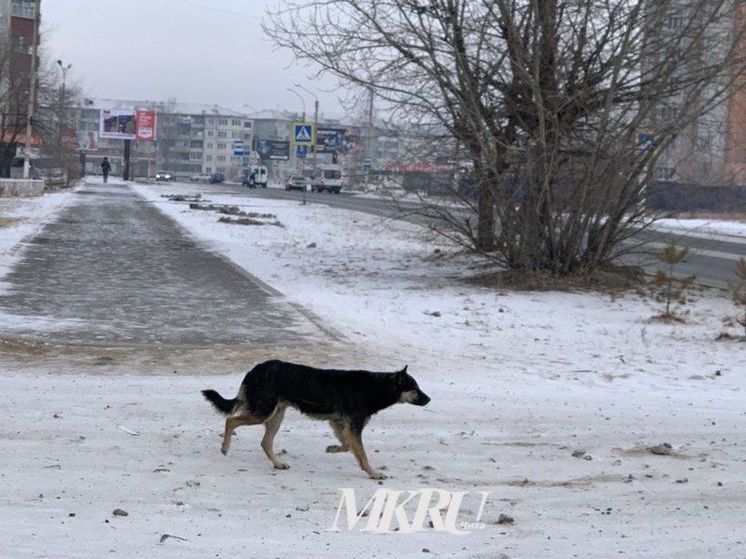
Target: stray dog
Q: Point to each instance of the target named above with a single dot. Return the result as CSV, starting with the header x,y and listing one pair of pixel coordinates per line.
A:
x,y
347,399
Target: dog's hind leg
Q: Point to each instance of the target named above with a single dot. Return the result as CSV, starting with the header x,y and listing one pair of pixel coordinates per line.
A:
x,y
231,423
337,428
352,435
271,426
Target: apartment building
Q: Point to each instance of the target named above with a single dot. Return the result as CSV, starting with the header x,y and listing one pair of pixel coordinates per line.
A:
x,y
711,151
17,30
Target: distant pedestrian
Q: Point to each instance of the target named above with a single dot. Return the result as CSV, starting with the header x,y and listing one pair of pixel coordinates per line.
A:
x,y
105,168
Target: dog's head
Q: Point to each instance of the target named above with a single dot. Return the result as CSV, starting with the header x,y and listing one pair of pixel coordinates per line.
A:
x,y
409,392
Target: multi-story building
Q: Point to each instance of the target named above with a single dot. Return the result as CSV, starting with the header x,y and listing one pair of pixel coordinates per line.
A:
x,y
17,29
711,151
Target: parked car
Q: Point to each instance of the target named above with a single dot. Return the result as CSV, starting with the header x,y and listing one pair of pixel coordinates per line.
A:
x,y
296,182
203,177
217,178
164,176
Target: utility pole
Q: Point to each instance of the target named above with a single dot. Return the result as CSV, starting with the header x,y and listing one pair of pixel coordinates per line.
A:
x,y
368,162
126,169
61,121
32,93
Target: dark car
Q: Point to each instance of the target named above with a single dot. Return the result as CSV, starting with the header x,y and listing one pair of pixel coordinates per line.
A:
x,y
164,176
217,178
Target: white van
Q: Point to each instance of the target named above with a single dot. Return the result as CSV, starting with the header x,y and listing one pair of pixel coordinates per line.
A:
x,y
255,176
328,178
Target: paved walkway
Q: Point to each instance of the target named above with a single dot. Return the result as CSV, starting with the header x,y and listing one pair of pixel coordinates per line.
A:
x,y
112,270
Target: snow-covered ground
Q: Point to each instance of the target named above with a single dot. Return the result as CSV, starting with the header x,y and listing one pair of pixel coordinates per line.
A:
x,y
519,381
733,231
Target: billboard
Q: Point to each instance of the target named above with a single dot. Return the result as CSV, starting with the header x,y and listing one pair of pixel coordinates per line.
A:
x,y
145,125
117,124
273,150
127,124
337,140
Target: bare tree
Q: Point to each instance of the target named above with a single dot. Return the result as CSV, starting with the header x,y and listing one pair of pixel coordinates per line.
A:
x,y
52,122
549,99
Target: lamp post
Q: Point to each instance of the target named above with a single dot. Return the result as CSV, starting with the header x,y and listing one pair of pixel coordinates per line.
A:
x,y
303,101
61,120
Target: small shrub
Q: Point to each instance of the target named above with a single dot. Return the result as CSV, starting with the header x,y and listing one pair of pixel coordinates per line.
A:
x,y
672,288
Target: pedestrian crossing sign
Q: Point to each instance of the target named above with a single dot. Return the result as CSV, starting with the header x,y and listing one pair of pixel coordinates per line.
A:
x,y
303,133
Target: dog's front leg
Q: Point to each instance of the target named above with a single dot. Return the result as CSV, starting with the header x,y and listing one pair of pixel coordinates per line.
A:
x,y
353,438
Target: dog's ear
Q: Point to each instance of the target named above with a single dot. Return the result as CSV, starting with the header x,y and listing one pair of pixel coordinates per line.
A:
x,y
404,370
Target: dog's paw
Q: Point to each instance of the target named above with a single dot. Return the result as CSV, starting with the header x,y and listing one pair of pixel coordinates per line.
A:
x,y
337,448
224,451
376,475
281,466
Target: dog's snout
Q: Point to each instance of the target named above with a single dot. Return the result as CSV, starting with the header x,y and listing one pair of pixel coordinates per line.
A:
x,y
422,399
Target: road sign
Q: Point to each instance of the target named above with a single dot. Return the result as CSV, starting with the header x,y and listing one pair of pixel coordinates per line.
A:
x,y
646,142
303,133
301,152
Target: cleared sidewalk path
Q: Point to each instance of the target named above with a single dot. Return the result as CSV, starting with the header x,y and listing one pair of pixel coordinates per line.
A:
x,y
112,270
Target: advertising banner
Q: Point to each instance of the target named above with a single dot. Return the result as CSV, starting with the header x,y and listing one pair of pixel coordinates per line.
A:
x,y
337,140
273,150
145,125
117,124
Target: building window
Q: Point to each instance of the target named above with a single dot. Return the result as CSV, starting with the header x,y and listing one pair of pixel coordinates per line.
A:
x,y
220,169
223,122
208,169
211,121
210,133
247,124
235,123
221,157
235,134
222,135
24,8
221,145
208,157
209,145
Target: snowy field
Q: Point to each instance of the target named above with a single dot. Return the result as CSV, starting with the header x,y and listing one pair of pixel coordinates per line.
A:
x,y
519,383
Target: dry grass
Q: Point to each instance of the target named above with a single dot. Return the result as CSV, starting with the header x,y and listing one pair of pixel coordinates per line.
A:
x,y
729,216
7,221
613,279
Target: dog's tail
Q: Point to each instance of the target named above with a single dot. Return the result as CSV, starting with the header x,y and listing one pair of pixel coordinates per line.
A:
x,y
220,403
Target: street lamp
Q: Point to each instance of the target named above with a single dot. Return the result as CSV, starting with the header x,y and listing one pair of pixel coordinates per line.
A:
x,y
303,101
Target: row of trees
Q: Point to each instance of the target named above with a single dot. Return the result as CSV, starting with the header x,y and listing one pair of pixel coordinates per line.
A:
x,y
52,120
562,106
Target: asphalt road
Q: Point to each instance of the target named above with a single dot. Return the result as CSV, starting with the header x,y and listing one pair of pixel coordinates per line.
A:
x,y
712,260
111,270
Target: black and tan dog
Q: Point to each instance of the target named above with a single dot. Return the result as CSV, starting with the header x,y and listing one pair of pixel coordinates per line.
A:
x,y
347,399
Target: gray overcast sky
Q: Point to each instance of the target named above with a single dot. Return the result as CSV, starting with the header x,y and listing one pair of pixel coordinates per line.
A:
x,y
199,51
